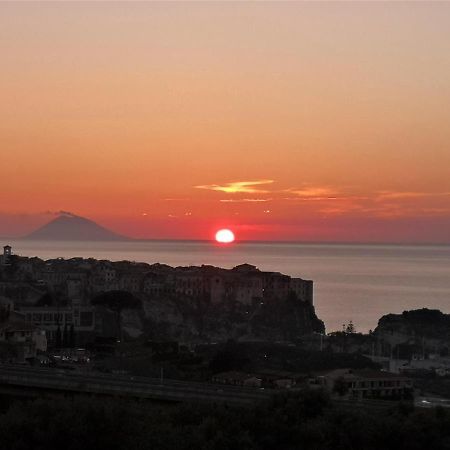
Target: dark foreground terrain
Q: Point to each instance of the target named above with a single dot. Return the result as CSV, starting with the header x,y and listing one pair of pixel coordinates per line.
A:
x,y
304,420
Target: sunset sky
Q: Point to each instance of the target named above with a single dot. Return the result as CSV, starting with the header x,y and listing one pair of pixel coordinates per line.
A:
x,y
283,121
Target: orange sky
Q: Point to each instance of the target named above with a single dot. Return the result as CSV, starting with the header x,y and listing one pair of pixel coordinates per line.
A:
x,y
305,121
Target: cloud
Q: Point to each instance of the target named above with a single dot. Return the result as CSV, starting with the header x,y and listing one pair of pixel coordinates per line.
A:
x,y
67,214
314,192
244,200
392,195
59,213
237,187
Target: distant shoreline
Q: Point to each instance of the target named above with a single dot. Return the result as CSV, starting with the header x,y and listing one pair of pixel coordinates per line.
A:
x,y
237,242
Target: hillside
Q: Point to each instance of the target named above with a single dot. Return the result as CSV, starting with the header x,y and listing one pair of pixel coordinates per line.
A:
x,y
417,332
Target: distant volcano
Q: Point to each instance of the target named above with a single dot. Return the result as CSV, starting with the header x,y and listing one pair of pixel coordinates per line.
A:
x,y
69,227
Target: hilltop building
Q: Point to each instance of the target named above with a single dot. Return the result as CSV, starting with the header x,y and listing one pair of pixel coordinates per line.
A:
x,y
6,257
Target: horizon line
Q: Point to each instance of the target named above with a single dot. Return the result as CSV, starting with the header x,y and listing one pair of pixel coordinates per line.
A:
x,y
237,241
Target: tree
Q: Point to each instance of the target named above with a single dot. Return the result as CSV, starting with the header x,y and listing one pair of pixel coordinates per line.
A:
x,y
58,337
350,328
340,386
8,351
65,339
4,313
72,336
117,301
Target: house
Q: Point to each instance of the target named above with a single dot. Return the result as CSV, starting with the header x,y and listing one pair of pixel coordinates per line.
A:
x,y
365,383
20,341
265,378
236,378
280,379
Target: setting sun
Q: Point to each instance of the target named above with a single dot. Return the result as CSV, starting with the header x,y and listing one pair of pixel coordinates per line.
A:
x,y
225,236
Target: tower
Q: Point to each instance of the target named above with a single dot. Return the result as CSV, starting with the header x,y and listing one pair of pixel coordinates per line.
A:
x,y
7,252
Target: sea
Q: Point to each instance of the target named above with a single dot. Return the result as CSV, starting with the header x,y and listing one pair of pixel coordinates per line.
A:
x,y
358,283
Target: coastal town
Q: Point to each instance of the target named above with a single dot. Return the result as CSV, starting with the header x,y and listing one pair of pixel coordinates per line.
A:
x,y
59,292
225,225
237,327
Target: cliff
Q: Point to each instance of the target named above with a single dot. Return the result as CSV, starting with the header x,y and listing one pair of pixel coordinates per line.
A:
x,y
417,331
190,319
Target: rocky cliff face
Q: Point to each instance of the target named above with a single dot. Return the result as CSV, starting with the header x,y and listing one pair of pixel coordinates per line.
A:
x,y
423,330
196,319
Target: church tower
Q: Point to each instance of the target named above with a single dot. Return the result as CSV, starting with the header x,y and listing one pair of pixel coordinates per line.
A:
x,y
7,252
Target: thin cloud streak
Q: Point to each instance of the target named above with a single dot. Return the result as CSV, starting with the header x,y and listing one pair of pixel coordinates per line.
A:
x,y
314,192
391,195
244,200
236,187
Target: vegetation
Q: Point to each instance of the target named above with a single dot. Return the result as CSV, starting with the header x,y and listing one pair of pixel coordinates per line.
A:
x,y
8,352
306,420
340,386
252,356
429,323
117,301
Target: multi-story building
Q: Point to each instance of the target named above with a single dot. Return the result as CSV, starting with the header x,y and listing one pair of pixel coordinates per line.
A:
x,y
248,289
303,289
25,338
131,282
157,284
366,383
50,318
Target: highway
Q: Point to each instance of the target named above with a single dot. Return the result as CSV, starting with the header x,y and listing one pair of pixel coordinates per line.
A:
x,y
431,402
13,377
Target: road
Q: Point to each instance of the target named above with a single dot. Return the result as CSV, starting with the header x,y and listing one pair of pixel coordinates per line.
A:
x,y
54,380
431,402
